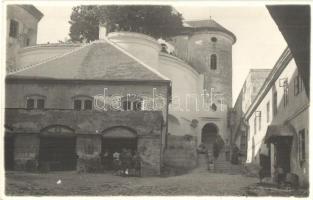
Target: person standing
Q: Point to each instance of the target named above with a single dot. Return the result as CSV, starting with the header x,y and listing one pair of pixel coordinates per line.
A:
x,y
116,162
227,150
216,149
137,163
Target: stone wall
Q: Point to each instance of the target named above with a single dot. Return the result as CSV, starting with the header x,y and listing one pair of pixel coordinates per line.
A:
x,y
26,152
181,152
28,125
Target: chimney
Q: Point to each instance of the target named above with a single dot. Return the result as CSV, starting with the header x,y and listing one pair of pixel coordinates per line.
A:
x,y
102,31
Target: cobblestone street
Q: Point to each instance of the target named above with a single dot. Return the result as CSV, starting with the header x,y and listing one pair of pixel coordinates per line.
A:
x,y
194,183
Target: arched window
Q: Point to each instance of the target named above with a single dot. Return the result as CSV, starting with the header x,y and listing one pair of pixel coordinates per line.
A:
x,y
213,62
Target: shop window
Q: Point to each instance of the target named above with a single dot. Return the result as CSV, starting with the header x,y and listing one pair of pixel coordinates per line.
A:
x,y
13,28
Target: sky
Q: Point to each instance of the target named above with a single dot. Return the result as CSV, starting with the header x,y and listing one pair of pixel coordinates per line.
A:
x,y
259,42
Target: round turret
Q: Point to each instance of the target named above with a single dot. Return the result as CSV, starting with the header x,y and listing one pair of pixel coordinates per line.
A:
x,y
207,46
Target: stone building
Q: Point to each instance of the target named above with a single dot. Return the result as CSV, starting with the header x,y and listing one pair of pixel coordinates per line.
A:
x,y
249,91
22,23
97,98
196,77
278,122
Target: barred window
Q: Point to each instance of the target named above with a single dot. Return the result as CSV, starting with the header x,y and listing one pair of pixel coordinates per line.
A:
x,y
30,104
88,105
77,104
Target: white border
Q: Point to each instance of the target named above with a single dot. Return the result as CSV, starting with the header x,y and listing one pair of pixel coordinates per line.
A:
x,y
170,2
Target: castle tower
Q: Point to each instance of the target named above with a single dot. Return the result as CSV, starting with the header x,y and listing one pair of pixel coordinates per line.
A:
x,y
207,46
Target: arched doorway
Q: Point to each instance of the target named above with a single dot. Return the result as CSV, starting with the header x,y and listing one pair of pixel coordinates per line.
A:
x,y
116,139
57,149
209,135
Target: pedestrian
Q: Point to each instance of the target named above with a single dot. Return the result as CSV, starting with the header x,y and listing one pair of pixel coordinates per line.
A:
x,y
216,149
105,160
127,161
123,161
116,163
137,164
227,150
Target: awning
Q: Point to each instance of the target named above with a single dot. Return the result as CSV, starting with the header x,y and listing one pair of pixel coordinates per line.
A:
x,y
275,132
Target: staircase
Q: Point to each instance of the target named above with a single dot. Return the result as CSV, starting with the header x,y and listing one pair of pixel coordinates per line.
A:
x,y
220,165
223,166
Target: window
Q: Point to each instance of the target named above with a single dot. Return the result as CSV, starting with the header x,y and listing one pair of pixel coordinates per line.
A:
x,y
260,121
137,105
268,112
274,103
26,42
213,62
30,104
285,93
82,102
35,102
213,39
88,105
126,105
13,28
301,145
297,85
254,124
40,103
77,104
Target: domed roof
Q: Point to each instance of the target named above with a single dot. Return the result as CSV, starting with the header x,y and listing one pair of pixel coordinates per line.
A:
x,y
210,25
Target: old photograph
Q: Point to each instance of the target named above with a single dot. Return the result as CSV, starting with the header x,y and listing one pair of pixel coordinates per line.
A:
x,y
169,99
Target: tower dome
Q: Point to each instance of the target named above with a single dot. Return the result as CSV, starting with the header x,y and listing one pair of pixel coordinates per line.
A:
x,y
208,25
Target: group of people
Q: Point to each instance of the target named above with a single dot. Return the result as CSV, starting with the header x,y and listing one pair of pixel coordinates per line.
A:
x,y
124,162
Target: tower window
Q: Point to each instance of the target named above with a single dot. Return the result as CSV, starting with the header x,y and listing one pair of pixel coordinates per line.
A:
x,y
213,62
213,39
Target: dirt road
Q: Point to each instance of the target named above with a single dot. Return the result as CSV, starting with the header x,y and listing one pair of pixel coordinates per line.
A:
x,y
72,183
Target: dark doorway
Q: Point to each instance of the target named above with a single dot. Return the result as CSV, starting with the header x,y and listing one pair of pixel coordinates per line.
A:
x,y
9,153
282,153
117,144
209,135
115,140
59,153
